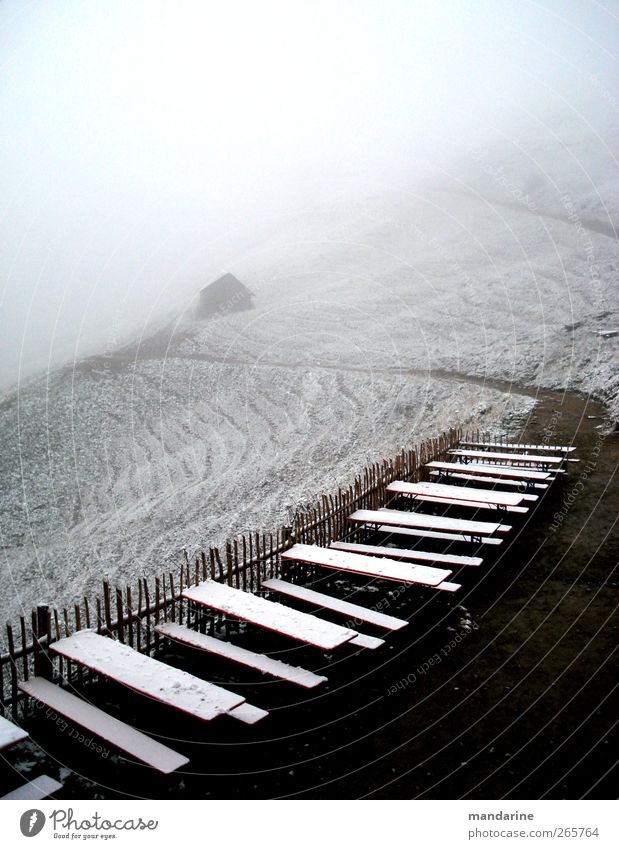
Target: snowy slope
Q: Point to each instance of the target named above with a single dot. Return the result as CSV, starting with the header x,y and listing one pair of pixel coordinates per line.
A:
x,y
114,465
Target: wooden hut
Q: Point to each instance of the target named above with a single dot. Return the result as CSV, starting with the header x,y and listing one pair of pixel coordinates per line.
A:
x,y
224,295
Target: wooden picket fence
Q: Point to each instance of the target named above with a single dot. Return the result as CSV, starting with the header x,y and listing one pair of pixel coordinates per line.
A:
x,y
130,613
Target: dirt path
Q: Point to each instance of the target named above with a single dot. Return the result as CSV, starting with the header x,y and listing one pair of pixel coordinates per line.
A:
x,y
508,387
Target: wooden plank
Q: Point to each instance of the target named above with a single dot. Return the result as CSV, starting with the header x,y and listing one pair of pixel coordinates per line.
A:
x,y
448,587
237,654
421,520
371,567
38,788
10,734
483,480
366,642
522,459
346,608
517,473
147,676
461,493
249,714
519,446
108,728
270,615
472,505
425,534
406,554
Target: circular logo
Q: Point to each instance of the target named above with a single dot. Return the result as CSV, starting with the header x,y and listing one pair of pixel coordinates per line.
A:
x,y
31,822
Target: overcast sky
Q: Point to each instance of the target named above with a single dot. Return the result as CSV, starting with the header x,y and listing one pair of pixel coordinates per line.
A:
x,y
140,140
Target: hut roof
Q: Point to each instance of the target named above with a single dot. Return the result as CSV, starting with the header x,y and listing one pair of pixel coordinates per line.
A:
x,y
226,281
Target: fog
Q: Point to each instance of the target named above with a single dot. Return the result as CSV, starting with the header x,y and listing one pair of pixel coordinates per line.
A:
x,y
146,145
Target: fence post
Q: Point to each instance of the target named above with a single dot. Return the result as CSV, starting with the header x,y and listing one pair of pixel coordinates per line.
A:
x,y
13,669
229,564
43,664
120,615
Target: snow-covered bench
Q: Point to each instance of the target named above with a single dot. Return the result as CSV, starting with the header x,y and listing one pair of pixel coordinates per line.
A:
x,y
519,446
474,505
467,530
514,472
542,461
276,617
371,567
422,533
327,602
487,479
461,493
435,493
411,554
108,728
32,791
449,587
154,679
10,734
221,648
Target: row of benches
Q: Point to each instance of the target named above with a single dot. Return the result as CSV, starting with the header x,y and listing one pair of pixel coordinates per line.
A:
x,y
205,701
179,689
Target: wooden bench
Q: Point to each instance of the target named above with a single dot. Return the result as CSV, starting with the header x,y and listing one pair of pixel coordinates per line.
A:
x,y
448,501
106,727
473,505
449,587
513,472
371,567
487,479
32,791
468,530
392,530
260,662
365,641
494,498
272,616
10,734
519,446
543,461
149,677
406,554
327,602
249,714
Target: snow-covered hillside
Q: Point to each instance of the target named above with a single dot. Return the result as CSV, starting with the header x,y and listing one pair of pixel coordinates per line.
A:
x,y
505,267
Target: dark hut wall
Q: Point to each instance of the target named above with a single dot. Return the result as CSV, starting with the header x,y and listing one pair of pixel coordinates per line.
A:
x,y
226,294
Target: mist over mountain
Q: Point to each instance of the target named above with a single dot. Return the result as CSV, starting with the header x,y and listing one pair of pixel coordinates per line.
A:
x,y
147,147
413,195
